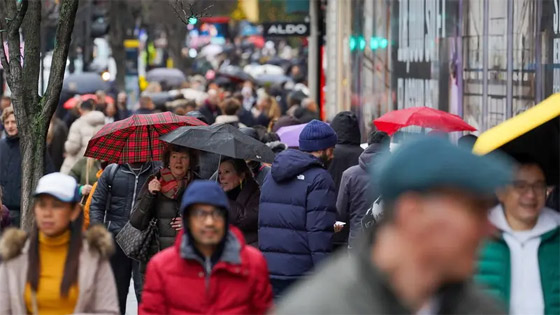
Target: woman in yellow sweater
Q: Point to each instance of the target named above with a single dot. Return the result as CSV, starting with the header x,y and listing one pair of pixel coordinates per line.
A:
x,y
58,269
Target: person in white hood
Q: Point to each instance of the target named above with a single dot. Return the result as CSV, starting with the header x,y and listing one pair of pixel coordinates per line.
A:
x,y
521,265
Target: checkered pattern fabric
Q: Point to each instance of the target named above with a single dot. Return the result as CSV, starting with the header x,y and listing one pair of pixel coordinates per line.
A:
x,y
136,139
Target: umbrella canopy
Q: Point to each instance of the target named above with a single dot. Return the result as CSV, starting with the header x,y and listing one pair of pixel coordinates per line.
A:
x,y
84,83
211,50
235,73
168,76
425,117
222,139
136,139
160,98
290,135
535,132
71,103
255,70
264,79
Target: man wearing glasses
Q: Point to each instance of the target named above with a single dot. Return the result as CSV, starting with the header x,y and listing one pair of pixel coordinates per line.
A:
x,y
521,264
210,270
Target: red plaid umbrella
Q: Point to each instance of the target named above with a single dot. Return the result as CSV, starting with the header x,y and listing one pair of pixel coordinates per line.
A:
x,y
423,117
136,139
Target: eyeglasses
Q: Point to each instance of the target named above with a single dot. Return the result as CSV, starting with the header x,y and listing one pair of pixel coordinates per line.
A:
x,y
522,187
201,215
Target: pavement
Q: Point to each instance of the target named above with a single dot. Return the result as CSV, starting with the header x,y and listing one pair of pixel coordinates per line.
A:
x,y
131,303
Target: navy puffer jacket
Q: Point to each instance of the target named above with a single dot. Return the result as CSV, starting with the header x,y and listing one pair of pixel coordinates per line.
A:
x,y
297,214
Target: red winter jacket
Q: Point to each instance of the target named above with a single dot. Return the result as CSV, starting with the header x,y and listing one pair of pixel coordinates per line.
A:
x,y
237,284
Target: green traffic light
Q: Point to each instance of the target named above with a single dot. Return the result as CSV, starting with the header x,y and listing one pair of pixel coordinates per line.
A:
x,y
383,43
374,43
352,43
193,20
362,43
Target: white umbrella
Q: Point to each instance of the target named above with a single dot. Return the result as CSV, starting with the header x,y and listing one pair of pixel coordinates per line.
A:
x,y
257,70
211,50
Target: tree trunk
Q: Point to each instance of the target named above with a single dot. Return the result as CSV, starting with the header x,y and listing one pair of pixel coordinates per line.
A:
x,y
33,113
118,17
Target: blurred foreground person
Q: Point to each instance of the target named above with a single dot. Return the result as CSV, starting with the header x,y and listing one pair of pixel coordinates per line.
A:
x,y
57,269
210,270
521,262
418,260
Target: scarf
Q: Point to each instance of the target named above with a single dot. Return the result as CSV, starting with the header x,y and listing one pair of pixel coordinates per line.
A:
x,y
170,186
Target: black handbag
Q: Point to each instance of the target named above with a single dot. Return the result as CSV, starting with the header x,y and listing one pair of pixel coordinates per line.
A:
x,y
136,243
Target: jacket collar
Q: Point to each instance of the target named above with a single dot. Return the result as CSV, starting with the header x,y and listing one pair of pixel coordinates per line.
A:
x,y
449,295
231,252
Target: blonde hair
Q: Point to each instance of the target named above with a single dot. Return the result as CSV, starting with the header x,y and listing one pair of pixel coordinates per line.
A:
x,y
7,112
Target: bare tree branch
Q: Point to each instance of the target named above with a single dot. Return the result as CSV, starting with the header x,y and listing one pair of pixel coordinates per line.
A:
x,y
68,9
184,18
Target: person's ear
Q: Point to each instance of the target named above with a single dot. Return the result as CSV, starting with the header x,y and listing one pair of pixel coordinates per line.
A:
x,y
75,212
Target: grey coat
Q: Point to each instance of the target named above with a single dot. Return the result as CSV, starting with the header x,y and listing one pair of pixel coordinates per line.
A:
x,y
350,284
357,193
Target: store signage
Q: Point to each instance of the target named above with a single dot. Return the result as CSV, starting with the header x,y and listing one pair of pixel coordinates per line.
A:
x,y
286,29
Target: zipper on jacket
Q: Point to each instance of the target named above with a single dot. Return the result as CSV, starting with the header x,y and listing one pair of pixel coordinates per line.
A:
x,y
208,271
134,194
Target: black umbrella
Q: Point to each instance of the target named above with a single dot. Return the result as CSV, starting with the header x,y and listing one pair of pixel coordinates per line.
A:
x,y
235,73
84,83
170,77
222,139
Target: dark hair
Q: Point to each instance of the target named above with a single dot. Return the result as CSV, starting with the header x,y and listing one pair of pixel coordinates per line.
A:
x,y
87,105
523,159
193,155
379,137
240,167
467,141
270,137
70,276
231,106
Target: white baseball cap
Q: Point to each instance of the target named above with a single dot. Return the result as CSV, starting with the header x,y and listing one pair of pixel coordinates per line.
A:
x,y
58,185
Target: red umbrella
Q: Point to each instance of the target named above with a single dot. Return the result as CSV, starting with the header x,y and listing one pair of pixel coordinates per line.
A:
x,y
71,103
425,117
136,139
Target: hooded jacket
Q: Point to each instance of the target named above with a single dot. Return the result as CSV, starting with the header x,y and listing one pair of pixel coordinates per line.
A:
x,y
357,192
523,269
296,216
180,281
125,185
81,131
347,150
97,291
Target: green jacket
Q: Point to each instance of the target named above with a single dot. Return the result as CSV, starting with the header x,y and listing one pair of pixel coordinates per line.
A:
x,y
495,273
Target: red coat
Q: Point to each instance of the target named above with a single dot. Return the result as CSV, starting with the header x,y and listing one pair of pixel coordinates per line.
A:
x,y
178,286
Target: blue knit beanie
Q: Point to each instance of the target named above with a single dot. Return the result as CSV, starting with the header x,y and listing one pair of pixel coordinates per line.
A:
x,y
317,136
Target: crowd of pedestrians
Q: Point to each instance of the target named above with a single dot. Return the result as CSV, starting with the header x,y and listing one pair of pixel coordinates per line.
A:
x,y
459,233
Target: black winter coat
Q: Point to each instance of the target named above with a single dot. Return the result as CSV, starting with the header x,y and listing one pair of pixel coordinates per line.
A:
x,y
357,193
347,150
163,208
124,189
10,172
244,211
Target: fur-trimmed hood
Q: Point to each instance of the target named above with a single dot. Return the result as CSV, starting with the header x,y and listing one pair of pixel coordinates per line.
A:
x,y
97,238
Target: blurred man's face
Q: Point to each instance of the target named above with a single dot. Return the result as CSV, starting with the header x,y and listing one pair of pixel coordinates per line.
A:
x,y
10,125
525,198
448,228
121,98
206,224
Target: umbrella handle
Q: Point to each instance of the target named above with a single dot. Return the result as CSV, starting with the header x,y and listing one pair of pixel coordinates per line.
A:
x,y
219,162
